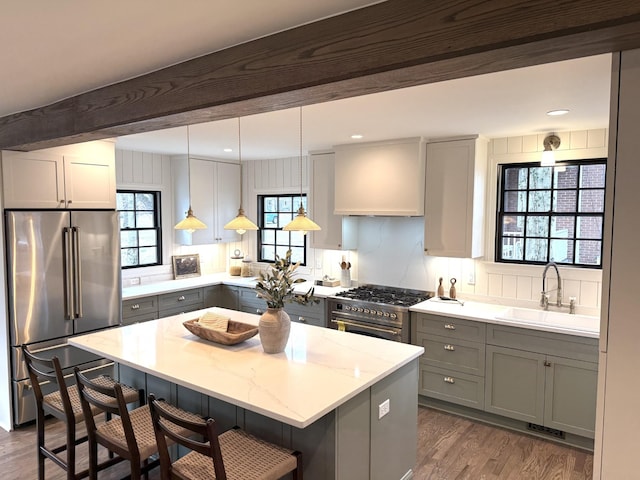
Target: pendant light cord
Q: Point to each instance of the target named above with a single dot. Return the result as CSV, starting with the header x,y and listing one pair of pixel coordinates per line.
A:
x,y
188,167
240,161
301,156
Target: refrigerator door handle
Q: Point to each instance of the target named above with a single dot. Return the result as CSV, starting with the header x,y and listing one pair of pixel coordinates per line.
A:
x,y
77,271
68,277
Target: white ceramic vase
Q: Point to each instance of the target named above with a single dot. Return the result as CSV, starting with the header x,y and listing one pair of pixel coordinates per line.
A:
x,y
274,327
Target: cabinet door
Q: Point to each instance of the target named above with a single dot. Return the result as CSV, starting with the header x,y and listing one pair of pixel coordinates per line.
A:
x,y
224,296
227,192
215,198
570,396
454,198
90,182
515,384
33,180
338,232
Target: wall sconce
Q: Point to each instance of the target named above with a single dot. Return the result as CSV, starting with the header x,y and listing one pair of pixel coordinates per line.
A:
x,y
550,143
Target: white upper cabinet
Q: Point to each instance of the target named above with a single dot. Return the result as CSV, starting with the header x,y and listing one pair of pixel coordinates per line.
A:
x,y
380,178
215,198
455,197
338,232
81,176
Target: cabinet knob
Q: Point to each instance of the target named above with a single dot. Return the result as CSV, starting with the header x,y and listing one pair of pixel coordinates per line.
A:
x,y
449,348
449,380
302,320
449,326
61,200
69,202
181,298
259,312
135,307
547,363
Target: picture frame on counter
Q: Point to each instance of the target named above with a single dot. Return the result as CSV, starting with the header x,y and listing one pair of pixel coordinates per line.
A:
x,y
185,266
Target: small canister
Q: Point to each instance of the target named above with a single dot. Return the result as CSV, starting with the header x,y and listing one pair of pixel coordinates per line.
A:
x,y
246,267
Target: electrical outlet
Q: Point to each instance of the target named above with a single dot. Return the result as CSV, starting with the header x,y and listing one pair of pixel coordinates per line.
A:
x,y
383,409
134,281
472,278
318,263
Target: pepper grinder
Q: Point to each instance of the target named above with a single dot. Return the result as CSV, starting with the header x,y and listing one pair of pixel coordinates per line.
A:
x,y
440,288
452,290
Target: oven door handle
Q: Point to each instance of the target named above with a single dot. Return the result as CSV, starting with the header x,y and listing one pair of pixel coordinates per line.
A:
x,y
359,325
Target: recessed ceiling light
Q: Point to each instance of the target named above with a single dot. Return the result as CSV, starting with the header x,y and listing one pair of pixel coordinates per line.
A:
x,y
356,136
228,150
558,112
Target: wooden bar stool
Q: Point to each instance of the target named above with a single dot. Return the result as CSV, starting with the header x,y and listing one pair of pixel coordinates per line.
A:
x,y
129,435
232,455
63,404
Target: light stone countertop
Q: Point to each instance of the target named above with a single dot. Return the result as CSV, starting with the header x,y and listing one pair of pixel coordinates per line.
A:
x,y
169,286
551,321
319,370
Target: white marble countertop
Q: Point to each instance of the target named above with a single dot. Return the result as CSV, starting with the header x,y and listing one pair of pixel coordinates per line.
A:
x,y
551,321
169,286
319,370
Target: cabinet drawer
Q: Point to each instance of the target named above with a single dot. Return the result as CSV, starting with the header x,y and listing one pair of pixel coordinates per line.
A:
x,y
549,343
458,355
311,314
181,298
452,386
139,306
450,327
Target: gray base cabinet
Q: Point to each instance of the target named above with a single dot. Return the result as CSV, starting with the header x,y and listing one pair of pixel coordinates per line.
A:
x,y
538,377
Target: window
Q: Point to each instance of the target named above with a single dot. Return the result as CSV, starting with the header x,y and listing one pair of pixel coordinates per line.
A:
x,y
275,211
551,213
140,228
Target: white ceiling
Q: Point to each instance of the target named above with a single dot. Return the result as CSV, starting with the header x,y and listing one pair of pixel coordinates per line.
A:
x,y
54,50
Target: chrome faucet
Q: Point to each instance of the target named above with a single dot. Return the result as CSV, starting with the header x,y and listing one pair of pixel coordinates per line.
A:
x,y
544,298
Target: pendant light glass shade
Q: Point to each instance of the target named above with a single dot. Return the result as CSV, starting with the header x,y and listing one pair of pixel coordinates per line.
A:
x,y
241,223
301,223
190,223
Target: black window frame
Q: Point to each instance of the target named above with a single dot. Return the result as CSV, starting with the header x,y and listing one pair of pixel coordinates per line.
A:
x,y
501,213
296,198
158,226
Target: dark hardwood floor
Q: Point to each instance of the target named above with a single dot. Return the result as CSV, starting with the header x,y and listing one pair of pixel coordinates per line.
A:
x,y
449,448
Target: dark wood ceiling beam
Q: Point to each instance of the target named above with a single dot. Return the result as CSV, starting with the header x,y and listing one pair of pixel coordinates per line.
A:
x,y
393,44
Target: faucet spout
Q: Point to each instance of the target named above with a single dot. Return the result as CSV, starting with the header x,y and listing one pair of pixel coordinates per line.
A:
x,y
545,292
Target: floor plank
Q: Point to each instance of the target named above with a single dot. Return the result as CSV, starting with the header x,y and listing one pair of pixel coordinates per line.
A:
x,y
449,448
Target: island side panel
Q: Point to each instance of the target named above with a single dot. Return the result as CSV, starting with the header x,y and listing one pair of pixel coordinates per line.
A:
x,y
352,452
394,437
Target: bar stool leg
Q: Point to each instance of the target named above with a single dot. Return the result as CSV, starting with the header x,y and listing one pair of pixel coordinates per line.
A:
x,y
40,430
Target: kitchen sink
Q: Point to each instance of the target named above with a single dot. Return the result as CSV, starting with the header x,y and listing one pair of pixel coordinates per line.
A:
x,y
550,318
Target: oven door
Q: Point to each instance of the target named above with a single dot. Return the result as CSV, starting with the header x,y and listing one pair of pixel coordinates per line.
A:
x,y
362,328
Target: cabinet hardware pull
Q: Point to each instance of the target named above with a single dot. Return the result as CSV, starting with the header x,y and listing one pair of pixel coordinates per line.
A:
x,y
449,380
259,312
181,298
302,320
547,363
449,326
135,307
449,348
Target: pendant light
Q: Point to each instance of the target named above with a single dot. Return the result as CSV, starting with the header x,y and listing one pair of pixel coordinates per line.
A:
x,y
241,223
301,223
190,223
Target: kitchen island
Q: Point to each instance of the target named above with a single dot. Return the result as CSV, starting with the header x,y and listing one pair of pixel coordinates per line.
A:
x,y
324,395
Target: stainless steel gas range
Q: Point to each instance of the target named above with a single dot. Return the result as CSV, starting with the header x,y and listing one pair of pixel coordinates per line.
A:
x,y
374,310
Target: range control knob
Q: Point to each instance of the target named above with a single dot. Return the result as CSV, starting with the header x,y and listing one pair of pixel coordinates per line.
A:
x,y
379,313
360,309
366,310
393,315
347,307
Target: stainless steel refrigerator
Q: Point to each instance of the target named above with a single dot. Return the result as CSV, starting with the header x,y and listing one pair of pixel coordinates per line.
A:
x,y
63,279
